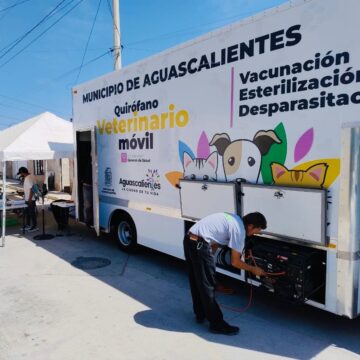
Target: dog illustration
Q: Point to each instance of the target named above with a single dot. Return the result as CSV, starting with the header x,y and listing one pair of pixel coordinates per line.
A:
x,y
242,158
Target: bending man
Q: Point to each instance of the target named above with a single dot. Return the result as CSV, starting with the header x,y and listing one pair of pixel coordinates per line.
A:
x,y
220,229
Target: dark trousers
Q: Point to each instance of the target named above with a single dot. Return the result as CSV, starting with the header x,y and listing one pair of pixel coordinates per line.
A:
x,y
31,213
201,269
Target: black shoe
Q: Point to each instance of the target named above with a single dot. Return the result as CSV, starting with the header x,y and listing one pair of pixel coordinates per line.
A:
x,y
224,328
200,319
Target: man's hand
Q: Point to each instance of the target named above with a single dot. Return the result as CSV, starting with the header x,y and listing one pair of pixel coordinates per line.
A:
x,y
257,271
242,265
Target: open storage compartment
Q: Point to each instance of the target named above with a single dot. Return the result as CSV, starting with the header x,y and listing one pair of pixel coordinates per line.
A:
x,y
299,272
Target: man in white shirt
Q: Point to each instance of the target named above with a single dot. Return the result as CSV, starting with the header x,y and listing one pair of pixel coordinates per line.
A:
x,y
31,221
220,229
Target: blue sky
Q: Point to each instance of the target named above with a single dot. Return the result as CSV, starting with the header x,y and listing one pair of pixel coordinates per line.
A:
x,y
38,68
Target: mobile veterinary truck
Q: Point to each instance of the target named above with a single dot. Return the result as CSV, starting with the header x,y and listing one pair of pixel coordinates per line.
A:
x,y
260,115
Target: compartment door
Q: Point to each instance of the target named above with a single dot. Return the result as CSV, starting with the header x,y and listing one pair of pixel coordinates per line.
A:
x,y
95,176
201,198
294,213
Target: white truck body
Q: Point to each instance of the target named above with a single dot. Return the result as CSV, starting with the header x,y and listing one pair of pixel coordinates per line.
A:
x,y
273,99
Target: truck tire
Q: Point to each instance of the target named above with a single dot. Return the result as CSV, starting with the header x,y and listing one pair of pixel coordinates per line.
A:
x,y
124,231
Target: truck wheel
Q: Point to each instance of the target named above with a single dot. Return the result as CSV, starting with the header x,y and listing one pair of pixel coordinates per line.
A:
x,y
125,233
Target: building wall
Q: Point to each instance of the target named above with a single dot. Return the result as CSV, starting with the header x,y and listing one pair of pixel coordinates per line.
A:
x,y
62,169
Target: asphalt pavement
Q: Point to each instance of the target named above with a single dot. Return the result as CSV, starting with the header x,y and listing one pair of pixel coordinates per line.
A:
x,y
57,304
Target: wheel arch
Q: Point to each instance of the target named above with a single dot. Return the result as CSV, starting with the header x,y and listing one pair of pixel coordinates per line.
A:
x,y
123,219
116,214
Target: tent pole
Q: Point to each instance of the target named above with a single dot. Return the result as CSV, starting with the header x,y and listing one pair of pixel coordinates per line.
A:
x,y
61,175
3,205
46,175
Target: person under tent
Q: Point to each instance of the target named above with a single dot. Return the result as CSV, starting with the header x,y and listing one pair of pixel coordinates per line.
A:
x,y
29,195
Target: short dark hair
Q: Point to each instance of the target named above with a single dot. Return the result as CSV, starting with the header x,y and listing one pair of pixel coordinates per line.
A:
x,y
257,219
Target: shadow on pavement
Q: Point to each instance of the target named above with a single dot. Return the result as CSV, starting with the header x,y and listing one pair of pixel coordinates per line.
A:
x,y
160,283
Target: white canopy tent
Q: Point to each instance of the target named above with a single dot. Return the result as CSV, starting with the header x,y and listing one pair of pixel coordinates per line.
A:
x,y
42,137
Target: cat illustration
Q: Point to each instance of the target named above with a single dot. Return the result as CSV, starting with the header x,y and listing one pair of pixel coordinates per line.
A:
x,y
200,169
313,177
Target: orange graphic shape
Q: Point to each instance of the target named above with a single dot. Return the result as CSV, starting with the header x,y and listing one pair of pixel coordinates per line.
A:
x,y
174,177
332,173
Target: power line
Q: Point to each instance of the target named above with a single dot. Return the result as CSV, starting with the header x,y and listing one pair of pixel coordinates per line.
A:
x,y
63,50
88,40
192,28
50,82
31,113
69,72
23,102
47,17
41,34
16,108
14,5
77,68
21,38
139,49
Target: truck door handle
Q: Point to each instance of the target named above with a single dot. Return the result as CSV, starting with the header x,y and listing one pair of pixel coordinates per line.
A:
x,y
204,187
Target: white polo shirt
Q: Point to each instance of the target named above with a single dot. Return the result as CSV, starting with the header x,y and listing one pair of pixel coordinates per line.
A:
x,y
222,228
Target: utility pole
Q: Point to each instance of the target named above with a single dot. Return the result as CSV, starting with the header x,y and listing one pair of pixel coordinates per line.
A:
x,y
117,46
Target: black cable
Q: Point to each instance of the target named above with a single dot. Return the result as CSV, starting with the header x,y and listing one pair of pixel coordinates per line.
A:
x,y
46,30
24,102
64,50
153,51
46,18
10,46
12,6
88,40
69,72
192,28
77,68
50,82
16,108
